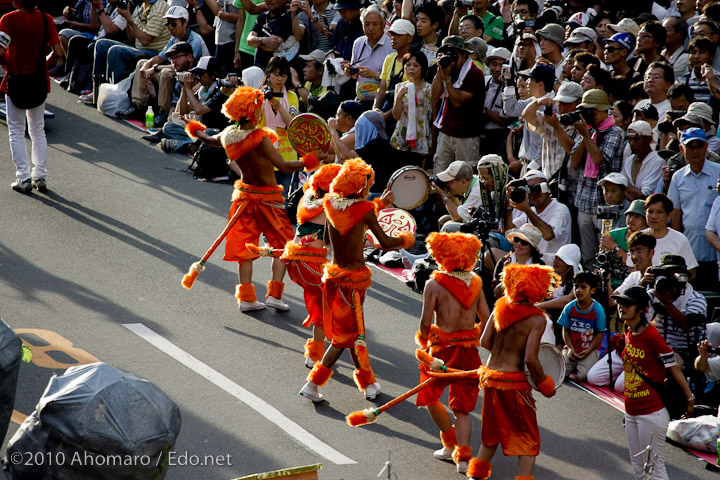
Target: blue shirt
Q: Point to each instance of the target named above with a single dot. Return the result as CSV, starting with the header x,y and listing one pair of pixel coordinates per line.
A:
x,y
583,324
694,195
195,41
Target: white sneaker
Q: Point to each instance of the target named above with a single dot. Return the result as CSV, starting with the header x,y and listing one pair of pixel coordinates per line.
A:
x,y
462,466
277,304
372,391
443,454
309,362
310,390
251,306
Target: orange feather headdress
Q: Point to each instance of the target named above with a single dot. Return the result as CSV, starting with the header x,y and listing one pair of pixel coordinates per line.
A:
x,y
323,177
454,251
529,284
243,104
354,179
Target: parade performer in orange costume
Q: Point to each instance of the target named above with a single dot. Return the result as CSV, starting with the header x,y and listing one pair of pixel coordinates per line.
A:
x,y
454,298
347,277
257,195
306,256
513,336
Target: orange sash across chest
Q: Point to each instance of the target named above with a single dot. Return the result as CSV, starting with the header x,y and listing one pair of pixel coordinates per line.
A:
x,y
507,313
344,220
463,293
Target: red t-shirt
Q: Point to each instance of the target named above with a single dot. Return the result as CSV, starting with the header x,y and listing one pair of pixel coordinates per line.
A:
x,y
26,30
467,120
648,353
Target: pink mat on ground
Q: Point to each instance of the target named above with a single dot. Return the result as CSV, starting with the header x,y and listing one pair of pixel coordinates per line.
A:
x,y
137,124
393,272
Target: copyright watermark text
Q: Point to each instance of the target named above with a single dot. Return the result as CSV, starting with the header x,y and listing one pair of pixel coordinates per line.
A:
x,y
88,459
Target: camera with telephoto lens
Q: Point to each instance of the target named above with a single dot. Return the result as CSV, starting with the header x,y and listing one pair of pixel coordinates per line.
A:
x,y
568,119
225,82
439,183
446,59
521,189
611,264
481,224
609,212
666,282
666,126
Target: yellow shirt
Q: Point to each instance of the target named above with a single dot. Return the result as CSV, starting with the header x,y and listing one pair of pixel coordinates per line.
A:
x,y
391,68
283,144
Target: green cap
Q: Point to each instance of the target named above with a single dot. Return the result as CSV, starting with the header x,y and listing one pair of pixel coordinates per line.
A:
x,y
637,206
595,98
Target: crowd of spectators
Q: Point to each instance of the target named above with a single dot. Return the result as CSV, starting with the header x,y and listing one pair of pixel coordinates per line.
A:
x,y
583,134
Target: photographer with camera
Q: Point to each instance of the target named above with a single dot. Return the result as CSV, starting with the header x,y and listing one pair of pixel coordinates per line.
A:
x,y
312,74
643,168
492,25
617,241
273,29
601,151
461,87
708,362
457,181
531,196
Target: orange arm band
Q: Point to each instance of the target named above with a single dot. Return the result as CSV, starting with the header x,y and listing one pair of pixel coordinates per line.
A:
x,y
192,128
408,239
547,386
311,161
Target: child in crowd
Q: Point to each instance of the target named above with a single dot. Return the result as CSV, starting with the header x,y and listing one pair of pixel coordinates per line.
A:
x,y
583,322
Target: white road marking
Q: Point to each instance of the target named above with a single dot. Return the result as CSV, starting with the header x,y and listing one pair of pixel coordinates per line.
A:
x,y
251,400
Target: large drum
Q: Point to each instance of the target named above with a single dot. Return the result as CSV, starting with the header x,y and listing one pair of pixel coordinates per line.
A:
x,y
392,221
411,187
308,133
553,364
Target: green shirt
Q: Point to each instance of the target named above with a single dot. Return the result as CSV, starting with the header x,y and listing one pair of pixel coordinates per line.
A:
x,y
619,236
494,26
249,24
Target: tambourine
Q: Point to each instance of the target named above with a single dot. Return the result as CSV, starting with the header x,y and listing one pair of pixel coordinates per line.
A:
x,y
553,364
392,221
308,133
411,187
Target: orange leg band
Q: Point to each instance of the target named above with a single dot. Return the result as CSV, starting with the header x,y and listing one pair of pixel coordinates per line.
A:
x,y
314,349
462,454
478,468
275,289
245,293
448,438
363,378
319,375
524,477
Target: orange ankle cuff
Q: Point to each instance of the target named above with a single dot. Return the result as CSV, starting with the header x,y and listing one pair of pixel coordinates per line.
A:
x,y
245,292
275,289
448,438
478,468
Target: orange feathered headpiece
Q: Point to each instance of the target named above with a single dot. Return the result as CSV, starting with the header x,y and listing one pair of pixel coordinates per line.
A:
x,y
529,283
454,252
323,177
243,103
354,179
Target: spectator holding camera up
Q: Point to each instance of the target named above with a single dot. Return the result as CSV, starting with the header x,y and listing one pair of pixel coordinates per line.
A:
x,y
277,30
457,181
531,196
461,86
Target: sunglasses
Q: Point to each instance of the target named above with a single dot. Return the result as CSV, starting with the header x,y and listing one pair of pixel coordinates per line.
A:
x,y
521,241
172,24
612,49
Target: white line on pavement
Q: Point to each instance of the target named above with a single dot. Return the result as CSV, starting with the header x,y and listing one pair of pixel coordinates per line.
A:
x,y
251,400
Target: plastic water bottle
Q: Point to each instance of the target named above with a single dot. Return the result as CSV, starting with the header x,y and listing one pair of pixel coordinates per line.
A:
x,y
150,118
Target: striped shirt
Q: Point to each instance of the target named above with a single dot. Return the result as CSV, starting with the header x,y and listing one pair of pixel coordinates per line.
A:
x,y
698,86
689,302
150,20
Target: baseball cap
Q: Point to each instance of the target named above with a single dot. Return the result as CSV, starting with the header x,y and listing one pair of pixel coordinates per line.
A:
x,y
554,32
205,64
639,128
402,27
637,207
452,171
569,92
478,46
625,40
533,174
179,47
500,52
352,108
647,110
456,42
579,19
635,295
582,34
541,72
693,134
614,177
348,4
595,98
177,12
317,55
626,25
702,110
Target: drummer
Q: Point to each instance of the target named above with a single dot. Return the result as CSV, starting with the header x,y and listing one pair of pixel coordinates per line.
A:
x,y
513,336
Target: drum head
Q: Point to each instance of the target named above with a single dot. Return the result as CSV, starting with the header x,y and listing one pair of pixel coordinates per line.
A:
x,y
553,364
411,187
392,221
308,133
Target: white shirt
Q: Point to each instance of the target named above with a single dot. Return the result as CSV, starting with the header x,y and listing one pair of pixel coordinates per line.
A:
x,y
673,243
557,215
473,200
649,174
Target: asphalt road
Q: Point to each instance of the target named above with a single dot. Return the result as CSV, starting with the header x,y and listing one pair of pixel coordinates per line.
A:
x,y
108,245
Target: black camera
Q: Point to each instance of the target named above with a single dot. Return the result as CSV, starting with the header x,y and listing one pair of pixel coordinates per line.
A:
x,y
270,94
609,212
122,4
568,119
522,189
666,126
715,350
353,70
548,111
438,182
610,264
666,282
446,59
481,224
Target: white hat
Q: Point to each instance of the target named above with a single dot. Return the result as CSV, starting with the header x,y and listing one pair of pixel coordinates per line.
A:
x,y
177,12
702,110
499,52
402,27
451,172
582,34
639,128
626,25
570,254
614,177
569,92
581,18
318,55
533,174
528,232
489,160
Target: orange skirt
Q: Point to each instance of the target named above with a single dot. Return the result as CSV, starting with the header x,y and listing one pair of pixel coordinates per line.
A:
x,y
507,419
463,393
341,318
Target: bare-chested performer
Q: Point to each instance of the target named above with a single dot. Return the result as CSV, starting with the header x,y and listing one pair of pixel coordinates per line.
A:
x,y
347,277
513,337
454,297
256,194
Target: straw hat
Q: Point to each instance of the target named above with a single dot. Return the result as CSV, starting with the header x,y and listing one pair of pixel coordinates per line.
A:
x,y
528,232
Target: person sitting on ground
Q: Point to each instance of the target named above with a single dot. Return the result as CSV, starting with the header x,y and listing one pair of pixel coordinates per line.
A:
x,y
617,241
566,265
453,301
344,123
79,21
459,183
525,242
161,70
583,322
313,75
200,94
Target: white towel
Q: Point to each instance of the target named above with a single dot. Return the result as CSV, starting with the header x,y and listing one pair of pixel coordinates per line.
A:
x,y
457,84
411,135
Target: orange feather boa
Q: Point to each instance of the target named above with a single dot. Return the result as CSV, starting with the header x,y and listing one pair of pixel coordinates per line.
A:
x,y
237,150
295,252
507,313
311,161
